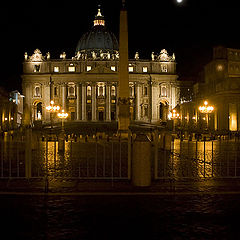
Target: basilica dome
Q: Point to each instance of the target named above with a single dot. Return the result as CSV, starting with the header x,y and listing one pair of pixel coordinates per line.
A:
x,y
99,38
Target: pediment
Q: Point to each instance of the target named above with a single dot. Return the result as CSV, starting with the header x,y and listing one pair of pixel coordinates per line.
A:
x,y
100,70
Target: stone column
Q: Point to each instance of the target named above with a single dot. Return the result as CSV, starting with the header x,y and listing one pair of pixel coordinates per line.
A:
x,y
64,96
84,102
78,102
173,96
137,102
94,104
154,101
108,103
45,92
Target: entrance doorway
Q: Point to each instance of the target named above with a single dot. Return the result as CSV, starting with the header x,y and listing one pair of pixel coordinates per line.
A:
x,y
163,111
101,113
38,111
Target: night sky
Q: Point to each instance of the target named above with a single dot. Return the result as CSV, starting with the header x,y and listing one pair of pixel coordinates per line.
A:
x,y
190,30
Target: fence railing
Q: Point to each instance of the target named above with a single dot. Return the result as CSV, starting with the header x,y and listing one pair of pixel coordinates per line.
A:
x,y
34,156
200,159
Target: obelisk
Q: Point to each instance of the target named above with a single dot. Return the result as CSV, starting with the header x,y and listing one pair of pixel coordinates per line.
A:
x,y
123,100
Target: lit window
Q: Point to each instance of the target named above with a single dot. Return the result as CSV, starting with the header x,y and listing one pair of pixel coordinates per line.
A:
x,y
89,68
130,69
113,101
56,69
71,69
113,91
219,67
113,68
145,69
89,91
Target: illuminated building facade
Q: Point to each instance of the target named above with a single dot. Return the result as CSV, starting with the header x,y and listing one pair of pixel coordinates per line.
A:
x,y
11,110
86,85
220,86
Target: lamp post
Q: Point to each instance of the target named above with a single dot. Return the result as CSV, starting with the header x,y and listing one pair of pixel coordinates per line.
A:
x,y
62,115
206,109
52,109
175,116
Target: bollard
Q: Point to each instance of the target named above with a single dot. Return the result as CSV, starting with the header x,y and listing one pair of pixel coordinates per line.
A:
x,y
141,161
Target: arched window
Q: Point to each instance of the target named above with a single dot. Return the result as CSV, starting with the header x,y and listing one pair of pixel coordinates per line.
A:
x,y
131,91
71,91
37,92
163,91
100,91
113,91
55,91
89,91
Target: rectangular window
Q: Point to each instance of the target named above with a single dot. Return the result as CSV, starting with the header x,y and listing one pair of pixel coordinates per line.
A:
x,y
71,69
89,68
145,91
113,68
130,69
55,91
164,68
56,69
36,68
145,69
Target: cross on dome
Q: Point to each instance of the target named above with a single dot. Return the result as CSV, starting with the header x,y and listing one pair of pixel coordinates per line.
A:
x,y
99,18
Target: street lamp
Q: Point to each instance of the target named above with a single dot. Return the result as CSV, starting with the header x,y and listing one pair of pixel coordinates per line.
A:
x,y
62,115
52,109
206,109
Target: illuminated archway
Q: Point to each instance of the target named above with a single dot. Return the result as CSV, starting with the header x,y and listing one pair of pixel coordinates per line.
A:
x,y
38,110
163,110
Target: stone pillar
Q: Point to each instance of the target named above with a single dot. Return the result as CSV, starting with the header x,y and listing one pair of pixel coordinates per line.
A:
x,y
64,96
46,94
154,101
123,100
141,161
108,103
137,102
94,104
84,102
174,102
78,102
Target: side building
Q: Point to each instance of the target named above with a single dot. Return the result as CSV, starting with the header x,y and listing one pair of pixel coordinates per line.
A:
x,y
86,85
220,88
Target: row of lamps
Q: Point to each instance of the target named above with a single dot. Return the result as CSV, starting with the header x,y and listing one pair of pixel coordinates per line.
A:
x,y
55,108
205,109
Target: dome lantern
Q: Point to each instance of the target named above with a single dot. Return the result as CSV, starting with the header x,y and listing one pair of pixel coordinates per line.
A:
x,y
99,19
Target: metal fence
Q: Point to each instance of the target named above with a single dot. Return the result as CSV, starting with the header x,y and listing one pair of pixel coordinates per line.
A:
x,y
91,159
199,159
36,156
85,158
